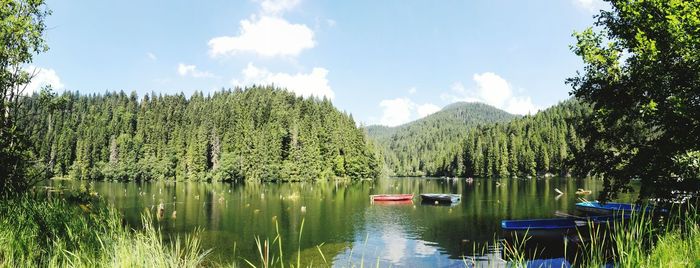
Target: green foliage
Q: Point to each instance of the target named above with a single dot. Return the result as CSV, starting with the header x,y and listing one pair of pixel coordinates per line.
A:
x,y
230,169
641,75
259,133
688,165
21,31
432,145
540,143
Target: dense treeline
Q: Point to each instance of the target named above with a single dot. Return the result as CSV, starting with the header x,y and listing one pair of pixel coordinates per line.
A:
x,y
477,140
430,145
539,144
259,133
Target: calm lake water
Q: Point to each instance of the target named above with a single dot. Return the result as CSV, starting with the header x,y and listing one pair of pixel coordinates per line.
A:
x,y
340,217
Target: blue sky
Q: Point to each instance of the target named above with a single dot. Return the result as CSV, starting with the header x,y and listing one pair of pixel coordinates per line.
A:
x,y
386,62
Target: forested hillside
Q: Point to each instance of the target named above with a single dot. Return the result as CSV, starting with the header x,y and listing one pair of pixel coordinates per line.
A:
x,y
473,139
433,145
260,133
542,143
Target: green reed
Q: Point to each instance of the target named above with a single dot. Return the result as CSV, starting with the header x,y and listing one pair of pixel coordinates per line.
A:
x,y
41,232
643,240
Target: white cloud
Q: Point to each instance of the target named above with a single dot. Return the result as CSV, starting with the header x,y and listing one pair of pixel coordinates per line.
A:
x,y
151,56
396,111
521,105
402,110
303,84
191,70
493,90
412,90
42,77
277,6
266,36
590,5
459,93
427,109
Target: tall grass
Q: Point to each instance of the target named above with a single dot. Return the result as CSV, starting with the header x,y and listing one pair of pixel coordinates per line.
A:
x,y
268,259
144,248
670,242
61,233
644,240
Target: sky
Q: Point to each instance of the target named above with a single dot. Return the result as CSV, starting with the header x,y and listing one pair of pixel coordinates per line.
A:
x,y
385,62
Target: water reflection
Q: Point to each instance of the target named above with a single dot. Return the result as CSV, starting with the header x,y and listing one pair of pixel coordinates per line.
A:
x,y
340,216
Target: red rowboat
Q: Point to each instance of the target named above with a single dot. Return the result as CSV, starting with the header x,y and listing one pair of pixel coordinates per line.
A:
x,y
393,203
391,197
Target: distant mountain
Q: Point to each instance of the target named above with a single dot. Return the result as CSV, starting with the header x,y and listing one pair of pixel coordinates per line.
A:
x,y
427,146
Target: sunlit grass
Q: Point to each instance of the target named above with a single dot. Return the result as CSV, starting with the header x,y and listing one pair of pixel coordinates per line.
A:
x,y
57,233
642,241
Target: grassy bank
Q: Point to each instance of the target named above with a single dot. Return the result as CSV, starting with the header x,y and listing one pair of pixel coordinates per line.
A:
x,y
646,241
641,241
80,231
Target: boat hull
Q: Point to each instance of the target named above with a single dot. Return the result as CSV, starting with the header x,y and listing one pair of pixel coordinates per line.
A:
x,y
541,229
391,197
441,198
393,203
610,208
554,229
539,235
439,204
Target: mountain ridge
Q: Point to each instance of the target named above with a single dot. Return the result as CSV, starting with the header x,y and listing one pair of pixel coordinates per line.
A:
x,y
447,108
427,143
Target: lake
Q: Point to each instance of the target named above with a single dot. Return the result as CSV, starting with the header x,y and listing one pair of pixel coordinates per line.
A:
x,y
340,217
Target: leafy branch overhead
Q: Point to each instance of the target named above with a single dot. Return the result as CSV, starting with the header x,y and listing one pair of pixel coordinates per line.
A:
x,y
642,73
22,28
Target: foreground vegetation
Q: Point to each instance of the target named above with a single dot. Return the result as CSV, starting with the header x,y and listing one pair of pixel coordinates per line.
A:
x,y
642,241
80,231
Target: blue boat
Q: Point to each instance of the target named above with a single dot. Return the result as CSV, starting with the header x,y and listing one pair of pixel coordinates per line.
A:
x,y
540,228
555,228
558,262
609,208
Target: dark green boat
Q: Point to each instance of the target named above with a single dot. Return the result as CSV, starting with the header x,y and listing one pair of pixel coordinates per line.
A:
x,y
441,198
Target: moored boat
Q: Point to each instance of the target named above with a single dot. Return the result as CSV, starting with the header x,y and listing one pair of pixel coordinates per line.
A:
x,y
555,228
441,198
438,204
540,228
610,208
391,197
393,203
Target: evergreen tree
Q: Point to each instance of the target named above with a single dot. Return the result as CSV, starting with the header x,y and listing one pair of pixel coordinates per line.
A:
x,y
261,133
